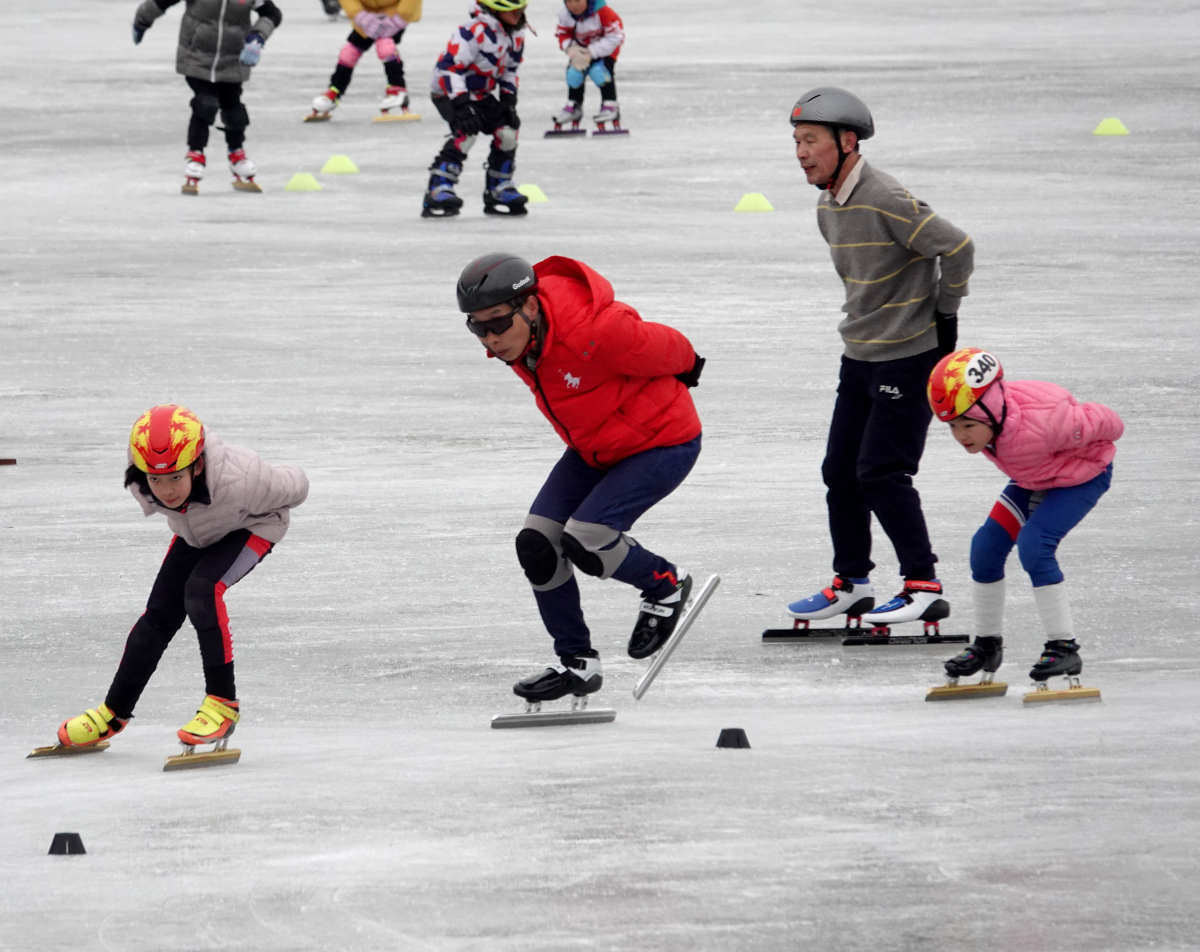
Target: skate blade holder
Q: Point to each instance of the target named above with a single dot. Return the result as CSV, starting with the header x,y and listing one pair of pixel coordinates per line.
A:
x,y
247,186
559,132
616,129
1074,691
402,116
534,716
189,759
315,116
190,187
801,631
690,614
953,691
882,637
61,750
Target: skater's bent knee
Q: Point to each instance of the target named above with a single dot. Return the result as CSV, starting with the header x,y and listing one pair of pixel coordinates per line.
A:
x,y
989,551
574,78
537,555
596,549
1037,554
506,138
350,55
235,117
205,107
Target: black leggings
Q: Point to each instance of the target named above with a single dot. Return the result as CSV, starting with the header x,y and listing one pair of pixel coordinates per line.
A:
x,y
210,98
392,68
191,584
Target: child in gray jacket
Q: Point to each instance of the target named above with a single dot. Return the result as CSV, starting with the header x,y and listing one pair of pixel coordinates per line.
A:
x,y
217,47
228,508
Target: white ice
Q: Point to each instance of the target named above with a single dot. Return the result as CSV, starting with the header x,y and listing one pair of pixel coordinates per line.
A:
x,y
373,808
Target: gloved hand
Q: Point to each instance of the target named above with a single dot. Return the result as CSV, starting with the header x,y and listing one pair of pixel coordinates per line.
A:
x,y
947,332
692,377
370,23
138,32
580,56
466,118
508,111
393,25
252,50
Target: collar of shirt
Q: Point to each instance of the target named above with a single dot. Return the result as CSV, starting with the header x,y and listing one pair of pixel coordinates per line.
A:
x,y
843,194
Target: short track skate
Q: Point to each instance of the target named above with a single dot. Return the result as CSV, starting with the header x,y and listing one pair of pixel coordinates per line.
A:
x,y
62,750
578,713
803,633
190,759
690,614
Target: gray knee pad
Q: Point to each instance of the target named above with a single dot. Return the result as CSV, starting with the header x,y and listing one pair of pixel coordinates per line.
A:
x,y
235,118
205,107
540,553
597,550
506,139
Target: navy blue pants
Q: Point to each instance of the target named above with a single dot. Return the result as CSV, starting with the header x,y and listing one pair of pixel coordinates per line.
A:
x,y
616,498
1035,522
876,439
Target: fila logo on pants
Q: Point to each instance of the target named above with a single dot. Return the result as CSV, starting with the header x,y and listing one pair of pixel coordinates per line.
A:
x,y
893,392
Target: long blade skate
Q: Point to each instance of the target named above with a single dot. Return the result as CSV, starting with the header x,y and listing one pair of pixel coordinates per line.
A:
x,y
953,691
559,132
189,759
802,632
616,129
534,716
681,629
1074,691
401,116
61,750
882,637
248,185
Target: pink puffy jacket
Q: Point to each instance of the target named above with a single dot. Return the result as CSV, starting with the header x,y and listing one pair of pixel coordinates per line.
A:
x,y
1049,439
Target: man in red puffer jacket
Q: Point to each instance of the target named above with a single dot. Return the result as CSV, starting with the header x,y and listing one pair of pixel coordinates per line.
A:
x,y
615,388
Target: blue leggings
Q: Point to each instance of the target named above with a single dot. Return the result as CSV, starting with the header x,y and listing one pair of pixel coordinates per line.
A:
x,y
616,498
1036,523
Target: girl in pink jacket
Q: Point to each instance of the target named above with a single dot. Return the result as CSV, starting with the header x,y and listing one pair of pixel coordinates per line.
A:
x,y
227,508
1058,456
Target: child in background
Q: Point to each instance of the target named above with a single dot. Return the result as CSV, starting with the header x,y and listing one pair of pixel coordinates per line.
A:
x,y
217,48
1058,456
228,509
378,23
591,34
482,57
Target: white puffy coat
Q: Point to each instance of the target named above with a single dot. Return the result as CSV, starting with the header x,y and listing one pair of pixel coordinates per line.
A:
x,y
245,491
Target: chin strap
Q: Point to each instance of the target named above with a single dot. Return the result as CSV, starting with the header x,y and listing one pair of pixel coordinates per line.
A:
x,y
837,140
996,425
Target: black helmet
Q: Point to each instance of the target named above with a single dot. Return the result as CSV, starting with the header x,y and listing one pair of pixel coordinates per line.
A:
x,y
493,279
831,106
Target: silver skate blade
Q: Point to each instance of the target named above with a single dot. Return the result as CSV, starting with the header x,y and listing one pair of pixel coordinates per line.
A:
x,y
1043,694
600,715
59,750
958,692
685,623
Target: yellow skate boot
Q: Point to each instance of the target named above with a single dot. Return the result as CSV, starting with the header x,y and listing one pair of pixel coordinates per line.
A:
x,y
90,727
213,723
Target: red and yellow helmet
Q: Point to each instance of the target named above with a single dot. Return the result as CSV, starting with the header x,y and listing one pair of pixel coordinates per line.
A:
x,y
166,439
959,380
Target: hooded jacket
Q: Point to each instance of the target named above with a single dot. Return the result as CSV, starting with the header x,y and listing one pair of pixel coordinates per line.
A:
x,y
603,377
245,492
1048,439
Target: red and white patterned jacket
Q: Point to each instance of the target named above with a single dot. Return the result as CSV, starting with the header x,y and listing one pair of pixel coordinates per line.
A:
x,y
481,56
600,30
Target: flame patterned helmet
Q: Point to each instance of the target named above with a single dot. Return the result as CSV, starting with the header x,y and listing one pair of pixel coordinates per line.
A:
x,y
959,381
166,439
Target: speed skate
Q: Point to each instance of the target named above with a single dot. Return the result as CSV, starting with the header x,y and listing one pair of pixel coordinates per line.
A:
x,y
62,750
691,613
190,759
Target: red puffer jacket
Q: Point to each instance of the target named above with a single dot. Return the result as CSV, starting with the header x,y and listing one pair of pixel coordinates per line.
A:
x,y
605,378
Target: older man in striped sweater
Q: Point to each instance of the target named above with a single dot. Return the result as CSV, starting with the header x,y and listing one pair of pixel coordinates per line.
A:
x,y
905,271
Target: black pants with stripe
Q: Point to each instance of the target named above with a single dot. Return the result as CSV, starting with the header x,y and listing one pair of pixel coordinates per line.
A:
x,y
876,439
191,584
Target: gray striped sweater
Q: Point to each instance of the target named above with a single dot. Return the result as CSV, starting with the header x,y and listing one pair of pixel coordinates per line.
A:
x,y
899,262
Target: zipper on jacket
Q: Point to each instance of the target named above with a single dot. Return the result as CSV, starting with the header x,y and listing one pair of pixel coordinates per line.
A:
x,y
220,37
537,382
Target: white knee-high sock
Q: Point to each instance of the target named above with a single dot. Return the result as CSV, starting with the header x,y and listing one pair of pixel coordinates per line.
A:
x,y
1054,605
988,600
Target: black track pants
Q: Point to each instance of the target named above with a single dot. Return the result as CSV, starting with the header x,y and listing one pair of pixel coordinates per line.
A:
x,y
191,584
876,439
209,99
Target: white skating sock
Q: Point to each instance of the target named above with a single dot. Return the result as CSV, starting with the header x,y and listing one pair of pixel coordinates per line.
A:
x,y
1054,605
988,601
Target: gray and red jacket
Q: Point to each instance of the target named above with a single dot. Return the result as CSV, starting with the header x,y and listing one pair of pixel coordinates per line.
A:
x,y
212,34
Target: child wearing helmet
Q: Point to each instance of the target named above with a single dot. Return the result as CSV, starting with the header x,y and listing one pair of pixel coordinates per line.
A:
x,y
227,509
481,58
378,23
1058,455
591,34
616,390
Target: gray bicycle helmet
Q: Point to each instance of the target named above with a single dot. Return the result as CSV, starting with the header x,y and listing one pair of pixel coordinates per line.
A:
x,y
837,109
493,279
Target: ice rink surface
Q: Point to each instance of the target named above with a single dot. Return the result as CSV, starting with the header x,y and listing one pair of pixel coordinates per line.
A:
x,y
373,808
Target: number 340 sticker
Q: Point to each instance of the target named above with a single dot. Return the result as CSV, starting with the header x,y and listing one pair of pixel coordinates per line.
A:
x,y
982,369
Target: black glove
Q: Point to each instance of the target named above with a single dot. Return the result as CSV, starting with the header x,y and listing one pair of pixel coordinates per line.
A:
x,y
692,377
508,111
466,118
947,332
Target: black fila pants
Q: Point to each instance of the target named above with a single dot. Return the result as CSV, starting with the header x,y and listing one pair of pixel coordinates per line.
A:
x,y
191,584
876,439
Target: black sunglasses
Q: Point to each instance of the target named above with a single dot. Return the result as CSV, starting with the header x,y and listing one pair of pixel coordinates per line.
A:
x,y
497,325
